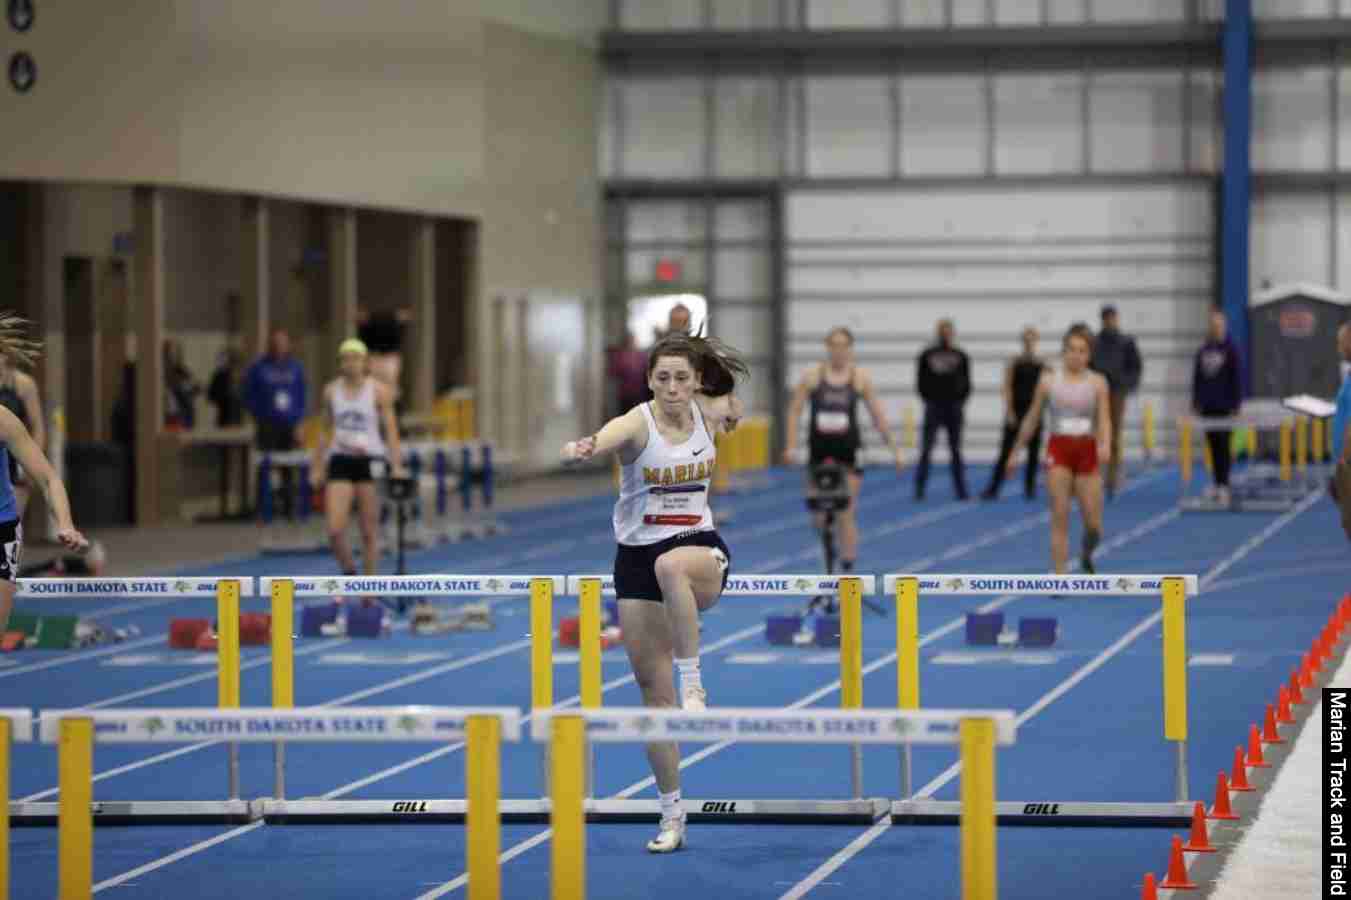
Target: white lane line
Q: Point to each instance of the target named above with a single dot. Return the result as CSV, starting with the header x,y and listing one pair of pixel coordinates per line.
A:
x,y
856,846
78,656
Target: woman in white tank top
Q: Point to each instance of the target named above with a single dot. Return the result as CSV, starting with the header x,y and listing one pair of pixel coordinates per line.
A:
x,y
357,409
670,564
1080,429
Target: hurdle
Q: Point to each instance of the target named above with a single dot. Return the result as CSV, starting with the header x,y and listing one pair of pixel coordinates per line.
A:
x,y
857,809
569,734
1172,590
286,591
16,727
227,592
1300,464
444,467
482,728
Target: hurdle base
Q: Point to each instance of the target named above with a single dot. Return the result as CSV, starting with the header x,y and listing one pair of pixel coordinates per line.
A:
x,y
384,812
1050,814
141,812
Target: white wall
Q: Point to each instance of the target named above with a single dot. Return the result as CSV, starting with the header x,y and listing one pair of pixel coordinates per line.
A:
x,y
889,264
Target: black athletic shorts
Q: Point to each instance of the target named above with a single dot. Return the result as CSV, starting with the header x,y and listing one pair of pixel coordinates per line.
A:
x,y
636,566
356,469
843,454
11,542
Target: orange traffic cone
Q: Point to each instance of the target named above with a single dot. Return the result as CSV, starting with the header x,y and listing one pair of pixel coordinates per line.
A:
x,y
1238,781
1199,841
1283,707
1255,749
1221,809
1269,733
1306,672
1296,695
1313,664
1176,879
1148,891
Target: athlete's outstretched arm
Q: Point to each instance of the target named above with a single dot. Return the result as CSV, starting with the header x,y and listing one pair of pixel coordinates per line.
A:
x,y
385,408
34,462
790,423
879,415
724,412
617,434
1104,421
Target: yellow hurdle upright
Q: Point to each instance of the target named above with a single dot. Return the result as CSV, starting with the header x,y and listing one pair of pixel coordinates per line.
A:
x,y
75,832
979,878
482,816
1184,450
567,815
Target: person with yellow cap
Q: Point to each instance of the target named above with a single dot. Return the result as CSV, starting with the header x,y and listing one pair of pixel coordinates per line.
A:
x,y
358,416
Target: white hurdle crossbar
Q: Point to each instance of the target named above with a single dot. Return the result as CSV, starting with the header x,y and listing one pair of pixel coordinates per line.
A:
x,y
1173,590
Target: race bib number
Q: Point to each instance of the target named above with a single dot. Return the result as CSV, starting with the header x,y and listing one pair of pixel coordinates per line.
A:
x,y
281,401
356,443
832,422
1076,426
682,505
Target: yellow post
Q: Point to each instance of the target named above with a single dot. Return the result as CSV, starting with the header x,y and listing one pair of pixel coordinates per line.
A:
x,y
1184,449
1285,451
75,813
227,646
618,472
283,644
567,815
1149,430
907,643
1206,456
978,812
908,428
851,643
6,728
1316,442
722,464
1302,444
1174,659
1252,443
481,818
541,643
589,642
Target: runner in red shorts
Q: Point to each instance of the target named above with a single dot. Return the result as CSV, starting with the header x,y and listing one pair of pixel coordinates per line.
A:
x,y
1080,430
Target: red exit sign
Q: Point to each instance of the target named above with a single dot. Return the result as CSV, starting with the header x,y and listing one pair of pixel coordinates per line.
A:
x,y
668,270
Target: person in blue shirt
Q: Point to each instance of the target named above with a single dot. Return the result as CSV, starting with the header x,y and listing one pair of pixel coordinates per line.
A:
x,y
1216,394
15,439
274,393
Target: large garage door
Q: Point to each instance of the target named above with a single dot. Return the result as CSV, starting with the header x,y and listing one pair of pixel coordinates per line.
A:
x,y
889,264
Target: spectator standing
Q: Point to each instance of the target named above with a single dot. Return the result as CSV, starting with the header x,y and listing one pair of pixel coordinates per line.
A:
x,y
944,379
274,392
1021,377
224,391
1117,358
1216,395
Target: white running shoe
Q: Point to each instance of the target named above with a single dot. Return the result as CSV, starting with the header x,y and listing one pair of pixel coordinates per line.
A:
x,y
670,836
694,699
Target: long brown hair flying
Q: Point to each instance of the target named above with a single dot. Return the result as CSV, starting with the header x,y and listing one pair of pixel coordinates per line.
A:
x,y
719,366
14,344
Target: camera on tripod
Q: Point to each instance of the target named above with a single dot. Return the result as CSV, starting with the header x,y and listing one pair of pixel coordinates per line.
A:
x,y
827,487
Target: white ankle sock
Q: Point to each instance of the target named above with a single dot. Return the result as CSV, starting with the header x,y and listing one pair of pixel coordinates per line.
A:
x,y
689,673
670,804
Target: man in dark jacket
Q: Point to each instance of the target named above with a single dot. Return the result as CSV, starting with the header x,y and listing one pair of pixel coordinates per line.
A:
x,y
1216,395
1117,358
944,379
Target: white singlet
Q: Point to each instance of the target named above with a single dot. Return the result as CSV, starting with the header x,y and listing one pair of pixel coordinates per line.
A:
x,y
664,492
1072,405
356,420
